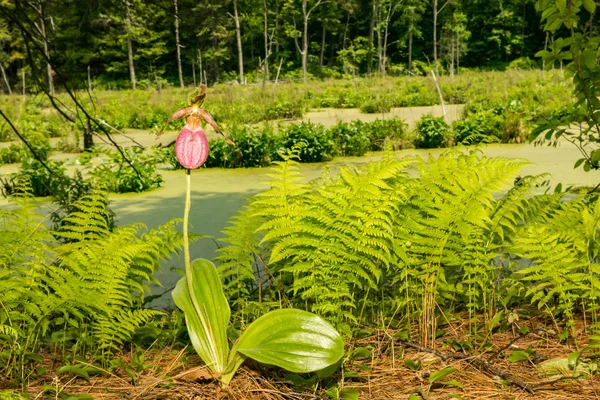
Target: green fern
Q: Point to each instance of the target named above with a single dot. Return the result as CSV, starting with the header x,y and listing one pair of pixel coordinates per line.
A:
x,y
95,279
332,238
563,249
450,238
238,258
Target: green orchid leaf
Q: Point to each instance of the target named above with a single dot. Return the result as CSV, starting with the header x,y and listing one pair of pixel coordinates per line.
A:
x,y
74,370
206,313
574,359
441,374
348,394
518,355
295,340
360,353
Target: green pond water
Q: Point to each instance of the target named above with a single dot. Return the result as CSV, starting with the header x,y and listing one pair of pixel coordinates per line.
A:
x,y
217,194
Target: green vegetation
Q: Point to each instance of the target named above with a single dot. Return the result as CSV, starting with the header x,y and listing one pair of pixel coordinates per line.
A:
x,y
79,288
401,276
409,253
528,94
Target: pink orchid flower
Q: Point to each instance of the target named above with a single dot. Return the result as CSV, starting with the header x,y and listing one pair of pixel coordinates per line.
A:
x,y
191,146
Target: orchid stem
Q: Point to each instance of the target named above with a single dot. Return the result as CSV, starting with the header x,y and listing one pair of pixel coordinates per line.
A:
x,y
186,223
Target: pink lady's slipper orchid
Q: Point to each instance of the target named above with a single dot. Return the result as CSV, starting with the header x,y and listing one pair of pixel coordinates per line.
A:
x,y
191,146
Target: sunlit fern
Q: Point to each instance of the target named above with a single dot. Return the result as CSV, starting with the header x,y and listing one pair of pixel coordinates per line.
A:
x,y
563,248
97,279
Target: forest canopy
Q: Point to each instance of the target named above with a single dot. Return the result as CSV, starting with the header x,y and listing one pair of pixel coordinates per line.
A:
x,y
125,43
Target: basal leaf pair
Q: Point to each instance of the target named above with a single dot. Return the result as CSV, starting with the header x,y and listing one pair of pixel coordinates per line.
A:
x,y
293,339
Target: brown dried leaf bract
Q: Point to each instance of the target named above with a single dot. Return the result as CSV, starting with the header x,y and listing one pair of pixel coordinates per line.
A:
x,y
196,375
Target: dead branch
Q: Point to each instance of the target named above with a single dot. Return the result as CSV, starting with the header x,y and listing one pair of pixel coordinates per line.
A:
x,y
479,363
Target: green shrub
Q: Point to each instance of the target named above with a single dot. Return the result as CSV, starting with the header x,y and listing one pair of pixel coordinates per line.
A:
x,y
351,139
375,105
384,131
118,176
253,148
340,98
432,132
41,181
67,198
523,63
17,153
166,155
319,144
11,155
415,94
284,110
484,126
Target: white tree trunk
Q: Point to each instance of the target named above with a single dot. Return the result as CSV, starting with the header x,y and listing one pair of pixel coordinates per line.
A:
x,y
410,42
47,54
238,34
130,48
437,86
371,35
181,84
451,58
435,45
379,39
304,51
89,79
266,38
457,52
5,78
323,34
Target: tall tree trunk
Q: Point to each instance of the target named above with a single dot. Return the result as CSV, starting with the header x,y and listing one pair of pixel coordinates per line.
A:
x,y
304,51
200,65
545,48
385,40
331,56
324,33
276,28
130,47
5,78
524,24
194,72
451,58
410,46
46,53
435,45
457,52
379,40
411,28
89,78
88,138
346,32
266,37
238,34
371,34
181,84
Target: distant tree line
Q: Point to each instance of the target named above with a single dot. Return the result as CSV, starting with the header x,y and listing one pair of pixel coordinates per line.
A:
x,y
133,43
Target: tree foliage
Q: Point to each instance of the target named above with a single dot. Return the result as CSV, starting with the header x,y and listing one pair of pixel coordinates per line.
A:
x,y
92,37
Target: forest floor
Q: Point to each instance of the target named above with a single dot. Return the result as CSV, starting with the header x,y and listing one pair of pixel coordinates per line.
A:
x,y
384,374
